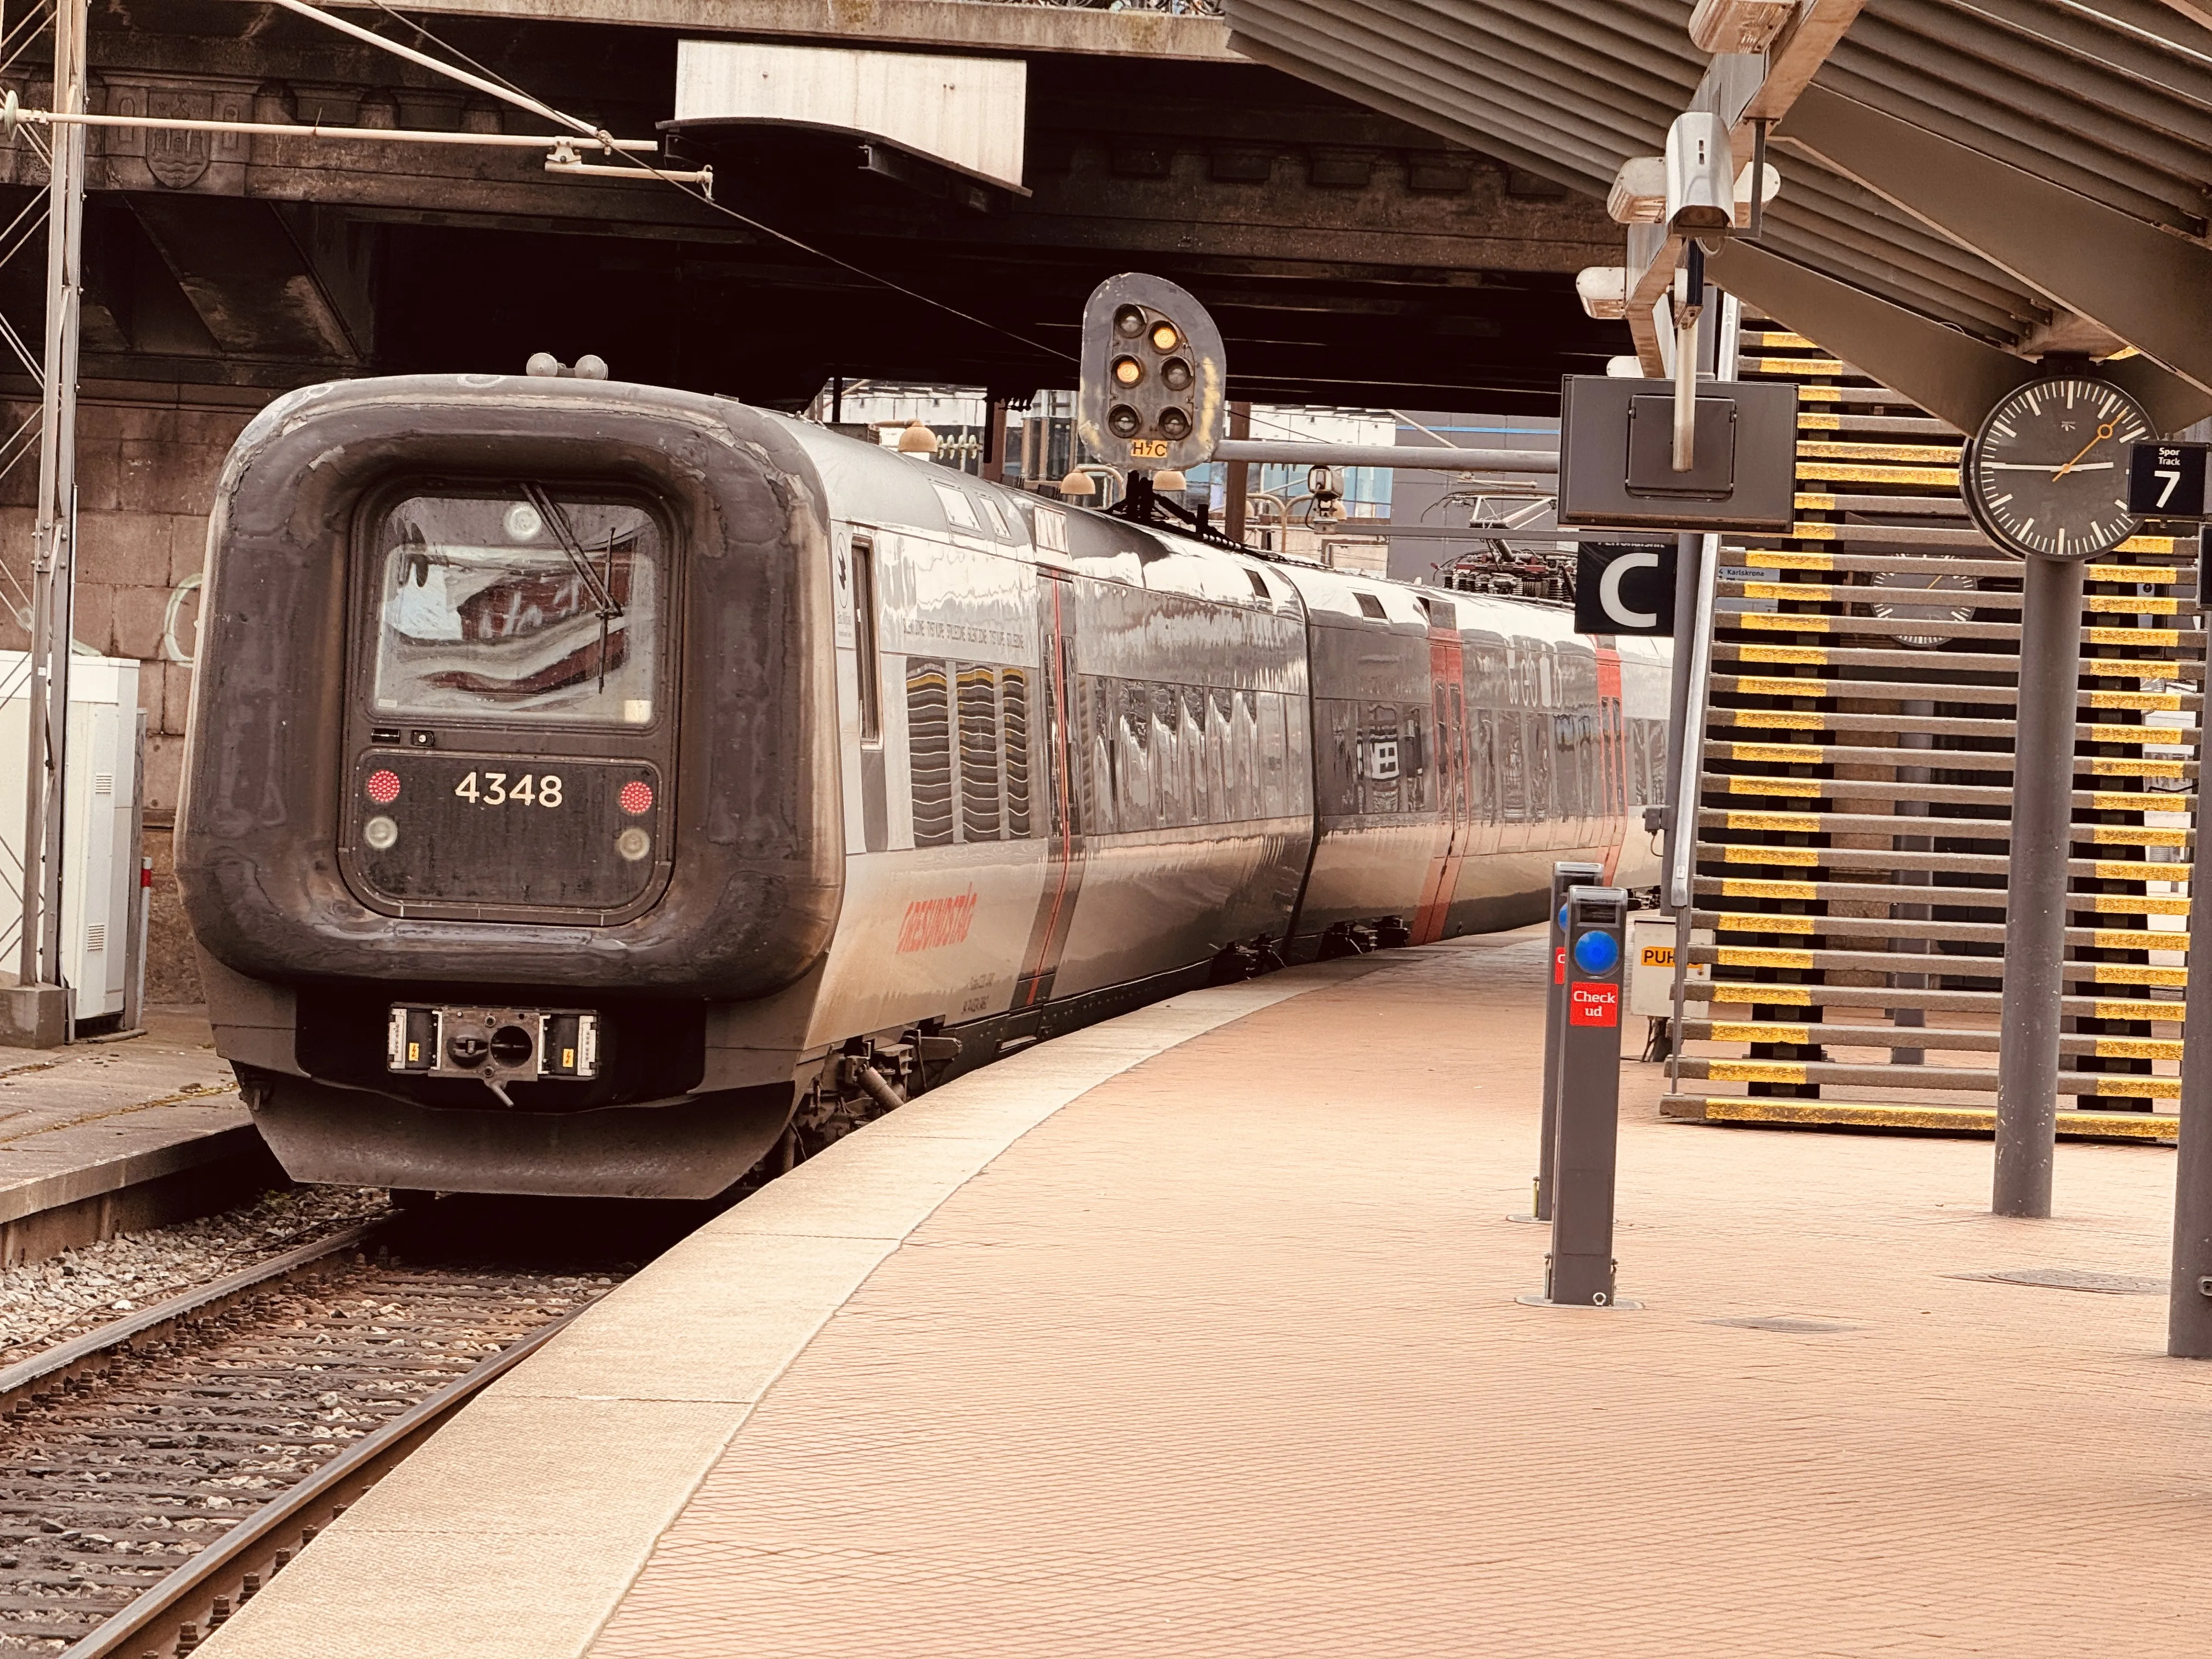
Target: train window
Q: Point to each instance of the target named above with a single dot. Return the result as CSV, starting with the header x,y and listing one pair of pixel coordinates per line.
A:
x,y
929,749
1172,764
1486,802
1568,768
1416,782
980,792
1095,724
1220,756
997,515
1133,760
1245,754
1382,760
959,511
527,606
1586,756
1298,734
1442,613
1194,755
1370,605
1339,783
1655,743
1512,769
1259,583
1014,706
1536,757
1274,797
864,640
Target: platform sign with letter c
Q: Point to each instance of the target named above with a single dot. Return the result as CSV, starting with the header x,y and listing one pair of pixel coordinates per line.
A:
x,y
1625,587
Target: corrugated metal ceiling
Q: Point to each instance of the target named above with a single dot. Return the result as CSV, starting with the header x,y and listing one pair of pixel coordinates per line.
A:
x,y
2112,100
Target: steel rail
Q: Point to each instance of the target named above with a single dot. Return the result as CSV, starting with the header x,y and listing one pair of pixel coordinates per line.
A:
x,y
61,1364
262,1543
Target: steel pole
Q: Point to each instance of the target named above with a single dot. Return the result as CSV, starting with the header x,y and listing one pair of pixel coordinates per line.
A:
x,y
53,590
2035,908
1686,546
2189,1309
1236,477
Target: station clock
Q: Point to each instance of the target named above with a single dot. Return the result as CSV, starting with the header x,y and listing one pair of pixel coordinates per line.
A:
x,y
2045,475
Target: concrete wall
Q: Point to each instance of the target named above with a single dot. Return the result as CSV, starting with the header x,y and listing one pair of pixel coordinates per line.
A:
x,y
146,478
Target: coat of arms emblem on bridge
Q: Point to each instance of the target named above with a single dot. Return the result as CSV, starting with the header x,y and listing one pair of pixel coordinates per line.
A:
x,y
178,159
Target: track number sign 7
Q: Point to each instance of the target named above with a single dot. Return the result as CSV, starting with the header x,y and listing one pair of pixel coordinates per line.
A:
x,y
493,789
2166,480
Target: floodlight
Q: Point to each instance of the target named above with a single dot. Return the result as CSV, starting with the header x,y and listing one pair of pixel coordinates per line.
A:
x,y
1638,195
1603,290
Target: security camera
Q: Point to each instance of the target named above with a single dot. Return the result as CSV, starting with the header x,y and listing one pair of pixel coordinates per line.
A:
x,y
1700,176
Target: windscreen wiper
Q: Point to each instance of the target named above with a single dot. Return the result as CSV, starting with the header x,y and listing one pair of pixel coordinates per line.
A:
x,y
603,597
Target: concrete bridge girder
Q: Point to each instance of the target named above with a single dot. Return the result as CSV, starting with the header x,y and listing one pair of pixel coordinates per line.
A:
x,y
1190,162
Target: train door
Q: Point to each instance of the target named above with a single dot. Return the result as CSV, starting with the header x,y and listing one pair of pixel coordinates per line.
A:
x,y
1454,828
1064,825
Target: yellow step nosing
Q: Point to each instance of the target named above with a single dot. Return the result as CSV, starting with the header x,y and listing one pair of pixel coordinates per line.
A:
x,y
1749,1108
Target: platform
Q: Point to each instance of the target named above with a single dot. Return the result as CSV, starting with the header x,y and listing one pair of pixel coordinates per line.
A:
x,y
1195,1334
104,1137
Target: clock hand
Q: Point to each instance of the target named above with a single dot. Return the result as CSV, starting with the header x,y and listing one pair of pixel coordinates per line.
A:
x,y
2051,467
2103,433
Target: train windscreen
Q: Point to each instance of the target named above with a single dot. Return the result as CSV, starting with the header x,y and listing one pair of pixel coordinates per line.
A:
x,y
525,605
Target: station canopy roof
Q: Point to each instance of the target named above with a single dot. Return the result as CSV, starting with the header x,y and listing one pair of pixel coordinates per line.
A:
x,y
1959,159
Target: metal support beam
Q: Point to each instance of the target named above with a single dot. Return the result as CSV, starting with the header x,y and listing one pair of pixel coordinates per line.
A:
x,y
1946,372
1795,58
53,545
2152,289
1419,458
2035,906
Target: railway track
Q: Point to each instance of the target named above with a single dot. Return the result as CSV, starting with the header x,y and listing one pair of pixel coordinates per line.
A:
x,y
155,1472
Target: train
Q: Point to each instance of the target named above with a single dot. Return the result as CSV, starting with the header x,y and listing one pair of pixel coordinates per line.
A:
x,y
595,788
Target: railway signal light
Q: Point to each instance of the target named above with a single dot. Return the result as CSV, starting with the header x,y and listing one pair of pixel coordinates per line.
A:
x,y
1154,376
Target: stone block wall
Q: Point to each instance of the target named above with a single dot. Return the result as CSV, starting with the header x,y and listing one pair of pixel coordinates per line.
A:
x,y
146,479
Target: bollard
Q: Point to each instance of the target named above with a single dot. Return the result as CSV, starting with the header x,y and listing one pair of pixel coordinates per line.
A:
x,y
1564,876
1578,1273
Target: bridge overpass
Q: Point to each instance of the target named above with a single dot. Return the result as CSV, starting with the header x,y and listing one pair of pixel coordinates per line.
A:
x,y
1349,255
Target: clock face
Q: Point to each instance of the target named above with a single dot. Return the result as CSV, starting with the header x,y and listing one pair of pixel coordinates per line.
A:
x,y
2047,474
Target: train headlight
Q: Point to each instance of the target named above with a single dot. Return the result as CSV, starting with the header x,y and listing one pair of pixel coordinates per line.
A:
x,y
523,523
633,843
379,832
